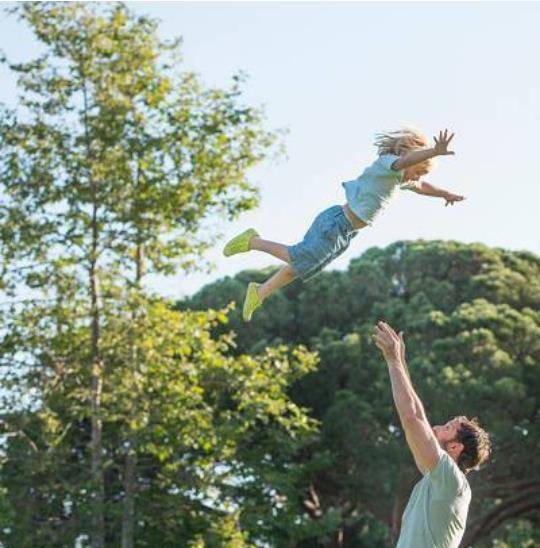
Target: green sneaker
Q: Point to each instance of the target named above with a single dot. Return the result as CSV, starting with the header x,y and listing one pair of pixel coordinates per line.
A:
x,y
240,243
251,302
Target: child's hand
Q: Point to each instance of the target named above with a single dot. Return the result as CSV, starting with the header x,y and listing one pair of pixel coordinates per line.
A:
x,y
441,144
451,199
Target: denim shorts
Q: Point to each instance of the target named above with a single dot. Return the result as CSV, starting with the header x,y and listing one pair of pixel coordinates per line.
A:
x,y
327,238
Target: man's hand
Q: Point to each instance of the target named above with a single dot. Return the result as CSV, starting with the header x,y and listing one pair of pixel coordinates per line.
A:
x,y
451,199
441,144
390,343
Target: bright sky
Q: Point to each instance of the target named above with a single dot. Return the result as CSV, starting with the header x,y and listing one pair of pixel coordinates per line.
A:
x,y
336,73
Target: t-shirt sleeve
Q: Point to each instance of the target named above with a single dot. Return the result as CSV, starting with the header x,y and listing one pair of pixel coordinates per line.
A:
x,y
385,162
447,479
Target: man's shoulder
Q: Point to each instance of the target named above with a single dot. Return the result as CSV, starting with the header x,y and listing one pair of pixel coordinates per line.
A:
x,y
447,478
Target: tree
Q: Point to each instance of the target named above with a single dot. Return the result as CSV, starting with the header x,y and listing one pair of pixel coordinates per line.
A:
x,y
110,167
217,435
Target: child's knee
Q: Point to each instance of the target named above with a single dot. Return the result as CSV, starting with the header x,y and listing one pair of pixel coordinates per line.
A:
x,y
290,272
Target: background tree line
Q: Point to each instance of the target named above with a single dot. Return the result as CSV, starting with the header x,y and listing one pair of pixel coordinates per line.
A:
x,y
471,317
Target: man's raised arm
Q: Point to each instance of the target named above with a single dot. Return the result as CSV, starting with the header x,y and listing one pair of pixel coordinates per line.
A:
x,y
418,432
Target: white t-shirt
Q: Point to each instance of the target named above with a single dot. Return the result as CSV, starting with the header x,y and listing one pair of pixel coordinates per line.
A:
x,y
370,193
436,513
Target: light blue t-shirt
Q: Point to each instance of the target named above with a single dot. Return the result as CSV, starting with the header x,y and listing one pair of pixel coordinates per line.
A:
x,y
369,194
436,513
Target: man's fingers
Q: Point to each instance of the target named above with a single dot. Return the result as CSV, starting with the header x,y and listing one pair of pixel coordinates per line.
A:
x,y
381,333
383,327
388,329
386,334
379,342
383,337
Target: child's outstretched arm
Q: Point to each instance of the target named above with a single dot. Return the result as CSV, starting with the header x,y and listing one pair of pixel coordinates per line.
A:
x,y
427,189
419,156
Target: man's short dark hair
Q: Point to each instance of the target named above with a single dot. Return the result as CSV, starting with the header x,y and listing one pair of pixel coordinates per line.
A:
x,y
476,444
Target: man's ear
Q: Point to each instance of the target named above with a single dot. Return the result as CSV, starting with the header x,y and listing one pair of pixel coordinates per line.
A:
x,y
455,448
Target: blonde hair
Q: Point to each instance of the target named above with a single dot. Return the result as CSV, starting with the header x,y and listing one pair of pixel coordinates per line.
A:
x,y
402,141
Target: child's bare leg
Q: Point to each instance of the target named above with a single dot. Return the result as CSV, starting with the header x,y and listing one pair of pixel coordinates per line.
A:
x,y
272,248
284,276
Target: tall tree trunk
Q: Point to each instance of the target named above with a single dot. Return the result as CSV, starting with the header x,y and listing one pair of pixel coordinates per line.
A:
x,y
98,491
98,483
130,464
130,488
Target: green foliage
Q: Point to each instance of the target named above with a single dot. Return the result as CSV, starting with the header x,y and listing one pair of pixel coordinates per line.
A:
x,y
111,166
471,317
217,435
106,119
518,534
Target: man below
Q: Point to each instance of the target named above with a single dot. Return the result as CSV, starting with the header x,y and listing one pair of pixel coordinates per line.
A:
x,y
436,513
